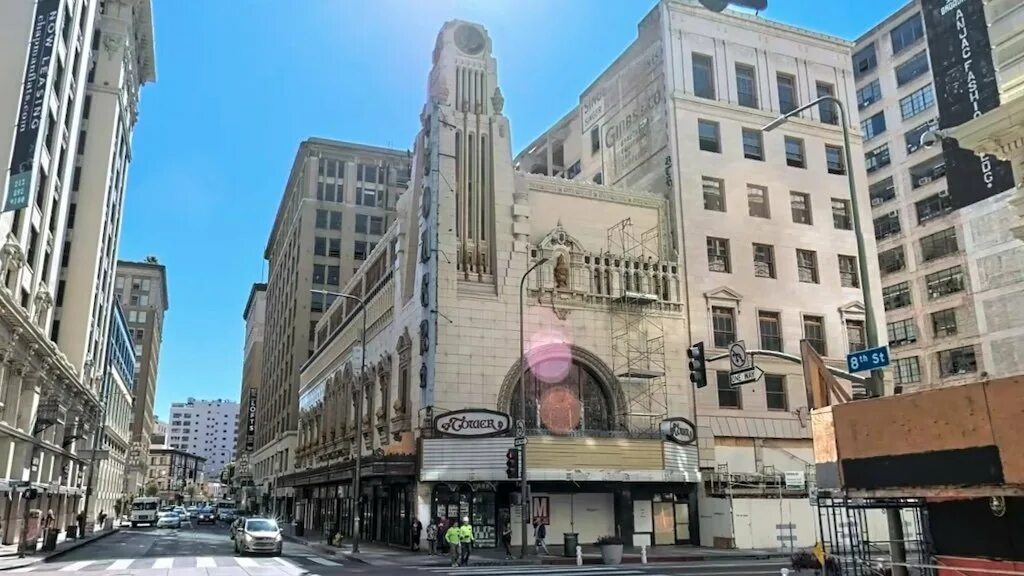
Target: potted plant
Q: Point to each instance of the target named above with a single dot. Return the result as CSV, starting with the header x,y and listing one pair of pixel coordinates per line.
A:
x,y
611,549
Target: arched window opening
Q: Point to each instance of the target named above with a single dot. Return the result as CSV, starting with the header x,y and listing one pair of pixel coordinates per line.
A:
x,y
564,399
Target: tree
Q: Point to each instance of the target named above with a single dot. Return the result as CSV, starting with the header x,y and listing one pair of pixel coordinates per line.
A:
x,y
152,489
191,490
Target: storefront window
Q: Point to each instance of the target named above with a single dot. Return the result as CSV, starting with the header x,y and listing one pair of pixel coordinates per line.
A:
x,y
475,502
564,398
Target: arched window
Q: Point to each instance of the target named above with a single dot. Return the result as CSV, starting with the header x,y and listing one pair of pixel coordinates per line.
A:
x,y
564,397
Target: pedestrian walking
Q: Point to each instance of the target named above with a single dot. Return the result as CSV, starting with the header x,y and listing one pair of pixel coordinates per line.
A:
x,y
453,537
417,531
506,538
442,530
540,533
432,536
465,540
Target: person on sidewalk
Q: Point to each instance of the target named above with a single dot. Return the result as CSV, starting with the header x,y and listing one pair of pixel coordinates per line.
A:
x,y
432,536
465,540
442,530
81,523
417,531
540,533
102,519
453,536
506,538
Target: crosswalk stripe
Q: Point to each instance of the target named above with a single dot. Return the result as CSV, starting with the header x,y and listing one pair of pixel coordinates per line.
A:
x,y
205,562
122,564
247,562
163,564
76,566
288,566
323,561
24,568
539,570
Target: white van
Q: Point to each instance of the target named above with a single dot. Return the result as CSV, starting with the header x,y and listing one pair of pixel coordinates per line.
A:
x,y
144,511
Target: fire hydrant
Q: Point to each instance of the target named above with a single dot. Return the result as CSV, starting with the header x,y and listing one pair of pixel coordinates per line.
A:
x,y
643,554
579,555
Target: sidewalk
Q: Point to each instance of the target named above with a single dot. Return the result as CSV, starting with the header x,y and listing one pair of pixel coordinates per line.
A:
x,y
9,553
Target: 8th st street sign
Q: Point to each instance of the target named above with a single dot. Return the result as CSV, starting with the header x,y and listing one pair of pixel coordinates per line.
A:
x,y
870,359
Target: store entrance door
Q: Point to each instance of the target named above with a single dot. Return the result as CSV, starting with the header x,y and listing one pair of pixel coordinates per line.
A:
x,y
664,524
682,522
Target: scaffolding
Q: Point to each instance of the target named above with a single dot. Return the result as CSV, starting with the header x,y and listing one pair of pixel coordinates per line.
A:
x,y
638,331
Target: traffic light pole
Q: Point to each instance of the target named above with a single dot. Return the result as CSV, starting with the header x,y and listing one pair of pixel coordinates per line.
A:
x,y
523,487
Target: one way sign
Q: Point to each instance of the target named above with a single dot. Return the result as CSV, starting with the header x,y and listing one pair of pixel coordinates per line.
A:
x,y
745,376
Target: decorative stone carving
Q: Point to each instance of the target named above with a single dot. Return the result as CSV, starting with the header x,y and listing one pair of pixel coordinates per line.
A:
x,y
43,303
11,258
561,272
498,101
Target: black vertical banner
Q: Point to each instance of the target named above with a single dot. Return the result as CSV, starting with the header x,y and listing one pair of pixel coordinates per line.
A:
x,y
25,153
965,88
250,425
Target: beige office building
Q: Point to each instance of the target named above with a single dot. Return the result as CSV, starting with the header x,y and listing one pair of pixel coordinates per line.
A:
x,y
339,200
142,289
951,268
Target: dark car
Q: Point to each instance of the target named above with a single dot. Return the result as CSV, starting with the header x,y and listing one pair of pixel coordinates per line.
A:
x,y
206,516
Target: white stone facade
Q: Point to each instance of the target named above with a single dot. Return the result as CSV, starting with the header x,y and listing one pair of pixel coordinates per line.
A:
x,y
205,428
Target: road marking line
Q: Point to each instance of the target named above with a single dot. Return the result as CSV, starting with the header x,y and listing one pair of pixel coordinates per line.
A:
x,y
28,568
323,561
122,564
76,566
247,562
205,562
288,564
163,564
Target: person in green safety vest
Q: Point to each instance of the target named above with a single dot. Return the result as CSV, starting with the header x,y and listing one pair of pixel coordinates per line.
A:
x,y
454,537
465,540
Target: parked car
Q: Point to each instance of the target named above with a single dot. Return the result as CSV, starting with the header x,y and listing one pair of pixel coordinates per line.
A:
x,y
206,516
169,520
256,535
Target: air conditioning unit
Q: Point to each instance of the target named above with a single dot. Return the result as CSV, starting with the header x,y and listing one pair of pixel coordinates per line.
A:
x,y
911,148
924,180
894,214
877,201
943,193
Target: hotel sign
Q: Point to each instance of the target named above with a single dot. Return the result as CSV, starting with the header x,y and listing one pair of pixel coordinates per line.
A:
x,y
472,423
250,427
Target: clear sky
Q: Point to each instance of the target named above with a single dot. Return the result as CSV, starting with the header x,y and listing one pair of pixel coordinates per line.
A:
x,y
240,84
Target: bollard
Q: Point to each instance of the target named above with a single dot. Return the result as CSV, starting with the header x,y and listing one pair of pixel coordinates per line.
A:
x,y
579,555
784,571
643,554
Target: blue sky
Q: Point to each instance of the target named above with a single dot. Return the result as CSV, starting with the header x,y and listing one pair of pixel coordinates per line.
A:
x,y
238,89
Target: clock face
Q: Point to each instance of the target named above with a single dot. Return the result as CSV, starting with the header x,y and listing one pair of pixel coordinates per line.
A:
x,y
469,39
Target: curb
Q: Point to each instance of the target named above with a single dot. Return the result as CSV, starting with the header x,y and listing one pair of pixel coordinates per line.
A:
x,y
564,561
29,561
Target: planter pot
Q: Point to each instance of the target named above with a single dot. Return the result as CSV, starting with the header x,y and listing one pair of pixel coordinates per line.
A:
x,y
611,553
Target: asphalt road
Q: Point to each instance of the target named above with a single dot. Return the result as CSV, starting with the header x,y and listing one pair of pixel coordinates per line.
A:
x,y
207,551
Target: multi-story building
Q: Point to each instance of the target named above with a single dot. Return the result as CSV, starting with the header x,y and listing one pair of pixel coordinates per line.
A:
x,y
339,200
254,315
121,62
950,265
113,439
51,50
205,428
177,475
141,288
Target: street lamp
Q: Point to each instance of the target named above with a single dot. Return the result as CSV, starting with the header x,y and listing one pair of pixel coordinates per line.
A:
x,y
522,409
359,416
875,382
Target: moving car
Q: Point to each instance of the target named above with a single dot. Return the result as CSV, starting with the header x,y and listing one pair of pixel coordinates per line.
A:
x,y
257,535
193,511
206,516
169,520
144,510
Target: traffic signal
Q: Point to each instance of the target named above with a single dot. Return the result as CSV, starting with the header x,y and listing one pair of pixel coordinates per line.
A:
x,y
698,365
512,463
31,494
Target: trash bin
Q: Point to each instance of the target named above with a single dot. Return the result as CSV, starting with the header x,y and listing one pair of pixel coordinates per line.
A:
x,y
50,541
571,540
72,532
300,530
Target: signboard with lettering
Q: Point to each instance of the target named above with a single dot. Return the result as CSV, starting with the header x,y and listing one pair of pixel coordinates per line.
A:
x,y
250,427
635,133
472,423
965,87
679,430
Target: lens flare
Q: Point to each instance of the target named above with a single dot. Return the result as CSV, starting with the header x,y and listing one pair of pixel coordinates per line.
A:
x,y
549,356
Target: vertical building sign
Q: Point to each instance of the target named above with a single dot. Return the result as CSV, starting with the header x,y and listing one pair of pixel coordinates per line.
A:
x,y
25,154
965,88
250,423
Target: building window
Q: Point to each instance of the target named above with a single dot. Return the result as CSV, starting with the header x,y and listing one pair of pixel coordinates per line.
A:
x,y
912,138
770,327
795,152
834,159
334,247
800,206
703,76
775,392
855,335
764,261
316,303
841,214
944,323
746,85
869,94
359,250
787,93
906,33
877,159
939,244
807,266
753,144
927,172
321,219
757,201
864,60
723,323
827,109
945,282
365,197
932,207
595,139
887,225
334,275
882,191
362,223
708,136
892,260
320,246
902,332
718,255
335,220
917,102
873,126
957,361
849,276
912,68
814,333
728,397
376,225
896,296
714,194
906,370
